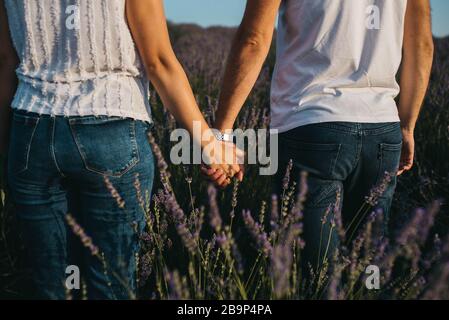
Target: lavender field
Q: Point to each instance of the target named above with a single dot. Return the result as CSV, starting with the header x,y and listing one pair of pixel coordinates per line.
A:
x,y
243,243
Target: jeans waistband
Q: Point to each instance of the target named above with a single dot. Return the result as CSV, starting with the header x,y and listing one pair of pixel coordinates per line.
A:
x,y
360,128
88,119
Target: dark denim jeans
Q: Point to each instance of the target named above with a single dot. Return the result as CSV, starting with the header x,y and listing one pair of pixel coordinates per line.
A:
x,y
345,160
58,165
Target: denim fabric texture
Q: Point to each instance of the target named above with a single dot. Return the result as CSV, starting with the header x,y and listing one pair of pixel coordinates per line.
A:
x,y
59,165
344,161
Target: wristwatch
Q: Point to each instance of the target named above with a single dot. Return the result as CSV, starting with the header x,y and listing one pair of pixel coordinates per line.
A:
x,y
223,136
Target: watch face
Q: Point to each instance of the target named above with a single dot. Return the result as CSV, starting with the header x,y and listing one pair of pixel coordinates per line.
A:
x,y
223,136
228,137
218,135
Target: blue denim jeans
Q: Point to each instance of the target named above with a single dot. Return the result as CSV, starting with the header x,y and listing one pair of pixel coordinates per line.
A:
x,y
345,161
58,165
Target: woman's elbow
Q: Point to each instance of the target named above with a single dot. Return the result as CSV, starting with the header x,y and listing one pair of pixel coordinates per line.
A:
x,y
158,64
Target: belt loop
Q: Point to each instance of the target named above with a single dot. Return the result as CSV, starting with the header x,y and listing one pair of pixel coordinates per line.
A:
x,y
359,129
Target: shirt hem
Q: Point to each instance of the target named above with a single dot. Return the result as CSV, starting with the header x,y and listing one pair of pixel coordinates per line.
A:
x,y
317,120
109,113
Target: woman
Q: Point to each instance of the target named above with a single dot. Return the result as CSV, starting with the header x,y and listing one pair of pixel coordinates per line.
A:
x,y
80,117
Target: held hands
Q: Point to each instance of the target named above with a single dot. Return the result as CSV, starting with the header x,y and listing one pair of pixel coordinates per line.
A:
x,y
224,164
408,152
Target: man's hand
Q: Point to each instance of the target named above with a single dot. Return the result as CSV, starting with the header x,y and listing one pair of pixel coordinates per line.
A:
x,y
408,152
228,164
249,50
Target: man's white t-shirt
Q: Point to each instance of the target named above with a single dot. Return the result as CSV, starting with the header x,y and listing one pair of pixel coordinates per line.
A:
x,y
337,60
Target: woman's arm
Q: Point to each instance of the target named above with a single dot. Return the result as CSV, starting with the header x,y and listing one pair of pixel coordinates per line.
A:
x,y
8,78
148,26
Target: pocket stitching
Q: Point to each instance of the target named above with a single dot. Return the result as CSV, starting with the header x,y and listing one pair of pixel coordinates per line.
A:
x,y
336,147
131,164
391,147
22,118
28,148
298,145
322,147
334,164
385,147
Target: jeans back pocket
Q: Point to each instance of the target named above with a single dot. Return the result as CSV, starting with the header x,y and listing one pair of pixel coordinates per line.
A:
x,y
390,155
318,159
107,146
23,129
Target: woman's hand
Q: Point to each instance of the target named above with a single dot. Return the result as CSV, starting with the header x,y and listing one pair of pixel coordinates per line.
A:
x,y
225,164
148,26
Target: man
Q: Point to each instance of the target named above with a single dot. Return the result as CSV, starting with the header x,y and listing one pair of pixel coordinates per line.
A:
x,y
333,97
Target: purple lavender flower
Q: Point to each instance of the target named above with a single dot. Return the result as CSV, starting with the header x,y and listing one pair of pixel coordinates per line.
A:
x,y
257,233
214,213
79,231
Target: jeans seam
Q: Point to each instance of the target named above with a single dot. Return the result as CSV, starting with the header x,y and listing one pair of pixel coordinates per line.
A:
x,y
61,229
326,191
359,148
334,164
52,146
28,148
133,135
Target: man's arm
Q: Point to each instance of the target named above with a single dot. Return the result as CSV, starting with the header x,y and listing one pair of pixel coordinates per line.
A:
x,y
415,73
249,51
8,78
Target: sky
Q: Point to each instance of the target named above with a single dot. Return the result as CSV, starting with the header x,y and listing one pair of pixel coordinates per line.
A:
x,y
229,13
